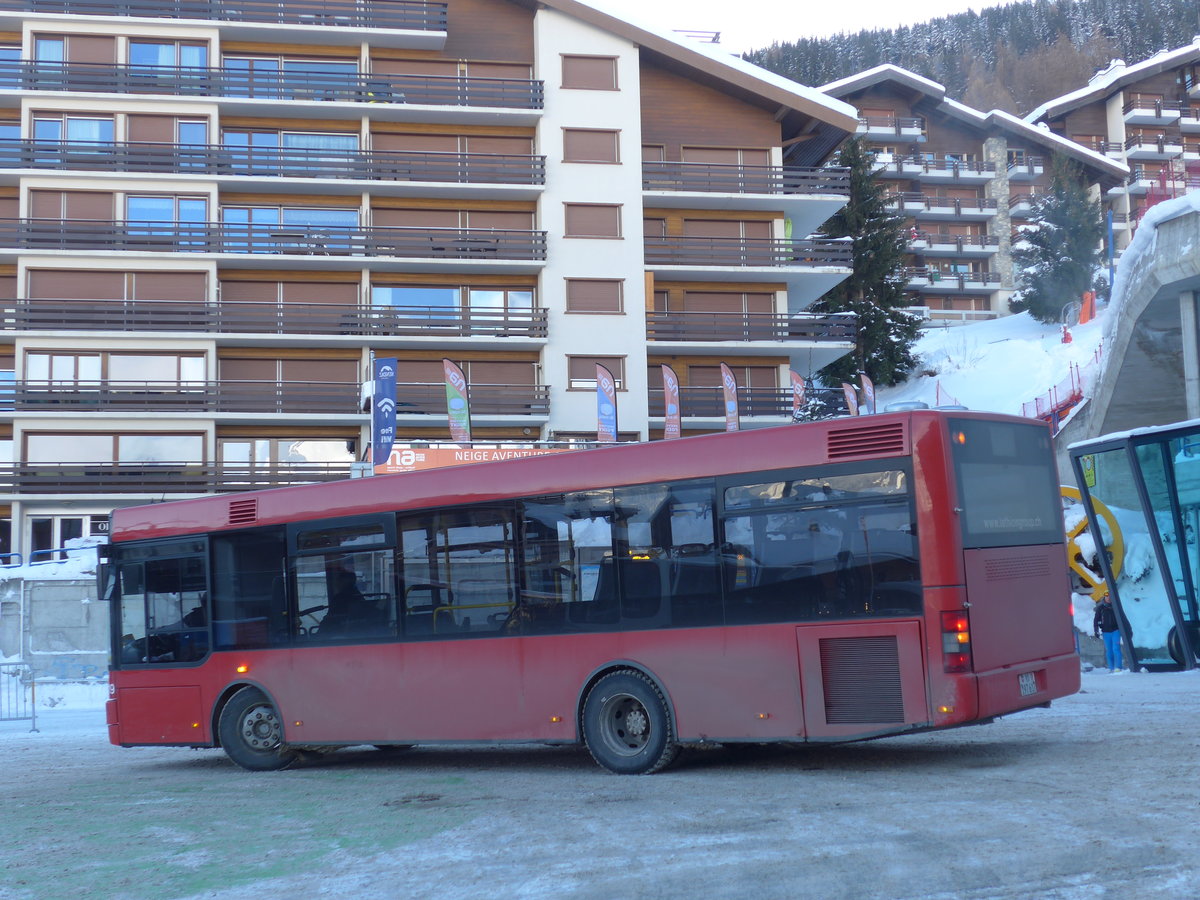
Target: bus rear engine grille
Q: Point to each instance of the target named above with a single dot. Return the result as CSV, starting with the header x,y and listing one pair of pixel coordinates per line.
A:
x,y
243,512
861,680
867,440
1016,567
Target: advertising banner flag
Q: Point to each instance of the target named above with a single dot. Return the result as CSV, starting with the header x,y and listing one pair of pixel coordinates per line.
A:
x,y
851,398
457,405
383,410
868,389
606,405
729,391
673,426
797,395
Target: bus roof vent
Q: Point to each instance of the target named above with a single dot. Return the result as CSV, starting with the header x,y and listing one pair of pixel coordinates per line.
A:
x,y
866,440
243,512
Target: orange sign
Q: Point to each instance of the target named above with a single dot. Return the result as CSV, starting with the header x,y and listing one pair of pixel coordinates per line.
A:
x,y
418,459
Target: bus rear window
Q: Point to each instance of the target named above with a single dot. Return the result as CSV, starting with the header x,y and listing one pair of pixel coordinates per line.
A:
x,y
1007,484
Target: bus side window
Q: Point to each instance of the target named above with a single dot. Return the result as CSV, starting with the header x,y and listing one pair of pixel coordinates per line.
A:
x,y
568,581
249,599
459,571
164,610
346,596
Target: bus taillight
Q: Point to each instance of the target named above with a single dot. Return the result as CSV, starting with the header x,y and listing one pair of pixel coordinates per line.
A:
x,y
956,641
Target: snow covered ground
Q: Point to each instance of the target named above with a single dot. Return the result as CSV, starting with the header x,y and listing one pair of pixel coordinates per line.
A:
x,y
1092,798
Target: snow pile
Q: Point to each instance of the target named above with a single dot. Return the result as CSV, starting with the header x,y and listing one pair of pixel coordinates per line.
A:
x,y
79,564
996,365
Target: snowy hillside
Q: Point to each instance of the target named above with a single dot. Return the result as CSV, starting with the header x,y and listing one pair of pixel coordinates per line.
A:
x,y
998,365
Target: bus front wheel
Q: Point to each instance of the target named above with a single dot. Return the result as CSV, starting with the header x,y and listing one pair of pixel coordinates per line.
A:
x,y
627,725
251,733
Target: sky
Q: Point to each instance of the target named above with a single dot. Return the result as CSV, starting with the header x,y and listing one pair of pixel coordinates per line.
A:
x,y
752,24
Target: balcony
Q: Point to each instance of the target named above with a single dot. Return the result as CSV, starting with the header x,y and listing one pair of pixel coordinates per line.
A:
x,y
1189,120
266,89
158,478
268,163
416,402
1140,182
940,169
707,327
1027,169
809,268
1191,150
1158,147
807,196
240,317
184,397
483,249
1020,206
884,128
1143,109
942,244
684,250
928,207
261,397
709,402
935,282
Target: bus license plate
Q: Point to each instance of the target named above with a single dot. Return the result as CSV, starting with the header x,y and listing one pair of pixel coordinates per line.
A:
x,y
1028,683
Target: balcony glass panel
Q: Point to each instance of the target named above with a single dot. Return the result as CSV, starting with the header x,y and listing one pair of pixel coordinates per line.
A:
x,y
421,302
52,448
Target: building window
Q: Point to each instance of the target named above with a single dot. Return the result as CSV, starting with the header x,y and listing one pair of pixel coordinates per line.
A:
x,y
589,73
433,302
167,54
581,371
588,145
592,220
595,295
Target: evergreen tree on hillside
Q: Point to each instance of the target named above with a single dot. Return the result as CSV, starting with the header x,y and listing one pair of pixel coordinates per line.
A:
x,y
1059,250
875,290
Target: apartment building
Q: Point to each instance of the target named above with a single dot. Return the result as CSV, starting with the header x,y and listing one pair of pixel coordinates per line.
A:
x,y
214,215
965,181
1145,115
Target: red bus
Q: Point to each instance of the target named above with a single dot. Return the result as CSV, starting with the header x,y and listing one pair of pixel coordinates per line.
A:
x,y
832,581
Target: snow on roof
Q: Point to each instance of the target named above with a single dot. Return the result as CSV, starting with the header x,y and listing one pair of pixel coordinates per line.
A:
x,y
714,60
1045,136
1114,78
885,72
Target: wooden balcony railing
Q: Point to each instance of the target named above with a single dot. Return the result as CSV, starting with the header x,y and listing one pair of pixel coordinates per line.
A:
x,y
741,326
244,317
176,397
896,124
959,242
954,280
407,15
686,176
294,398
683,250
1161,107
476,244
432,90
940,164
213,159
159,477
710,402
485,399
951,205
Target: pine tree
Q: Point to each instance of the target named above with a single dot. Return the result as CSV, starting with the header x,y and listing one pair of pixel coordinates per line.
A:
x,y
1059,250
875,290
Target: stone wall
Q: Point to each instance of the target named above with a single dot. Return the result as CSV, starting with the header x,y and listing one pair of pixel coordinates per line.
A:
x,y
58,627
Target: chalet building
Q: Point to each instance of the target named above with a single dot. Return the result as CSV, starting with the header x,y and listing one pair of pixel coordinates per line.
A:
x,y
964,180
214,215
1146,116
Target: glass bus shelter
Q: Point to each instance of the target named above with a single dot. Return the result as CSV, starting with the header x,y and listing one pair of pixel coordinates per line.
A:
x,y
1150,481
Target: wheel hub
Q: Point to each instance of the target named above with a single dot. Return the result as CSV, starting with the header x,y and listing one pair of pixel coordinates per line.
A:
x,y
260,728
636,722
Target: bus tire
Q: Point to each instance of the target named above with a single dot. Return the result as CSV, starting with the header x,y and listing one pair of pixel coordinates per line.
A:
x,y
627,725
251,733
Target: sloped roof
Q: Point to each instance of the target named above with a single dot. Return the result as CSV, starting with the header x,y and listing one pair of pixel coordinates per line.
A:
x,y
711,63
1115,78
994,120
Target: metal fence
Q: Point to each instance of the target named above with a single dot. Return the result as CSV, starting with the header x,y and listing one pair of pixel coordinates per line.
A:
x,y
18,694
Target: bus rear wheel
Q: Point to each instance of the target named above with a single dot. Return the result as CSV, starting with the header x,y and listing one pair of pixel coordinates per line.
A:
x,y
251,733
627,725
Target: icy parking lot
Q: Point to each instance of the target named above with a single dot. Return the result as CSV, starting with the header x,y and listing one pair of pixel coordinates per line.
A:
x,y
1096,797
